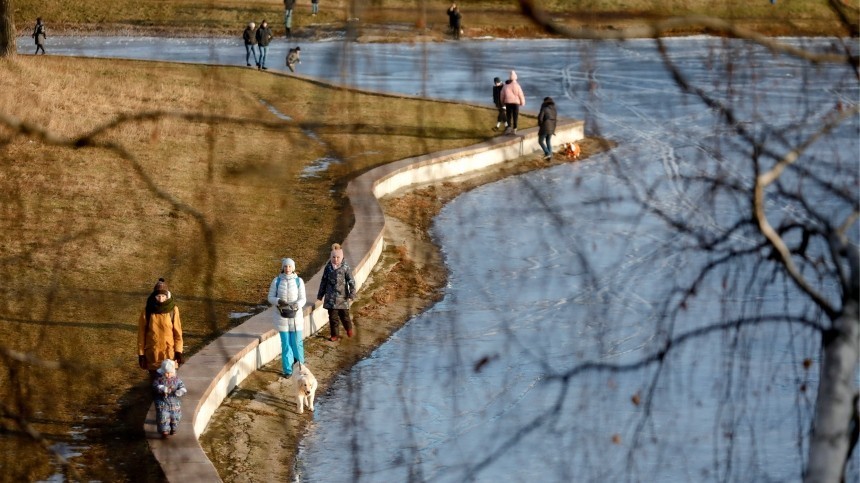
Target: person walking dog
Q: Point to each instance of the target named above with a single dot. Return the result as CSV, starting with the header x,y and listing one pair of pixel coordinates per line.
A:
x,y
546,126
287,293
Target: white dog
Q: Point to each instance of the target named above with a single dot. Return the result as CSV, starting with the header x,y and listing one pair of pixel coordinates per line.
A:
x,y
306,387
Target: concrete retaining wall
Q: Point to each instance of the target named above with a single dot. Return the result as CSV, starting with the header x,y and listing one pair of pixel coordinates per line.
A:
x,y
222,365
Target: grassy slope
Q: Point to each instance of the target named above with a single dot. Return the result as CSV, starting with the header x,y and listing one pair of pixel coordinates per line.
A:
x,y
401,18
83,236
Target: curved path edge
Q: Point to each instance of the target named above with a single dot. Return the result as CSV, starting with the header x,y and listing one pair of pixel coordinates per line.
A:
x,y
220,366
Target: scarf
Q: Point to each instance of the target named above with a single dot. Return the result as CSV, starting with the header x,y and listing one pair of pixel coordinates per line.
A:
x,y
154,307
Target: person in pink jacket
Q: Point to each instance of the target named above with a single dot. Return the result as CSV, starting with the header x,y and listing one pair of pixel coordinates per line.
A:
x,y
512,97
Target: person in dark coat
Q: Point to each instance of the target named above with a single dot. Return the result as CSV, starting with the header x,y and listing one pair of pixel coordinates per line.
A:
x,y
338,288
451,10
39,35
264,36
250,38
456,20
497,100
546,126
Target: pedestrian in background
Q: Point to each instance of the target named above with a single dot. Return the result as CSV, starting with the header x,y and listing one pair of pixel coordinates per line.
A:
x,y
512,97
287,293
315,7
546,126
450,12
264,36
168,388
288,16
338,288
250,38
294,56
497,100
39,35
159,330
456,22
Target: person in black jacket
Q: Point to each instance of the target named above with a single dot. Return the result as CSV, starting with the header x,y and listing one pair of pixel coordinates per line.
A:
x,y
497,100
39,36
250,38
264,36
546,126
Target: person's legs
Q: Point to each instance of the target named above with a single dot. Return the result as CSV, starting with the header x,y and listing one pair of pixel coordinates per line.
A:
x,y
548,145
542,141
175,417
248,50
264,50
346,321
286,353
509,112
315,7
162,417
333,327
297,346
288,20
515,116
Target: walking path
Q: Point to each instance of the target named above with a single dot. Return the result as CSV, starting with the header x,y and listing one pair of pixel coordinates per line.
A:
x,y
218,368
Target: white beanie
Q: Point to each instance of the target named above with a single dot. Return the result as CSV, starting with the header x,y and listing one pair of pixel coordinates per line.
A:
x,y
167,367
288,261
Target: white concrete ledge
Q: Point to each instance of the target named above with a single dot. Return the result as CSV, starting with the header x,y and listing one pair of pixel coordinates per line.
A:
x,y
224,363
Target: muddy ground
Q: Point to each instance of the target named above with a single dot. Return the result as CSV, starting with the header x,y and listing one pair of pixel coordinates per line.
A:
x,y
255,433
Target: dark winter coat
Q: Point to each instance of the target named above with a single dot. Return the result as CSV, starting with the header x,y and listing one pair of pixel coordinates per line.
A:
x,y
547,118
497,95
264,36
249,36
39,34
338,286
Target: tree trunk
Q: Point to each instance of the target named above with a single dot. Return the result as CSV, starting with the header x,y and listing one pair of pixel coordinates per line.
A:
x,y
831,428
7,29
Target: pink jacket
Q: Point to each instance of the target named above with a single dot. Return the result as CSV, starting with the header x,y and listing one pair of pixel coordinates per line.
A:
x,y
512,93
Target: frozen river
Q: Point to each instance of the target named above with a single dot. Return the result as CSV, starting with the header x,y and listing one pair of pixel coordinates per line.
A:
x,y
563,281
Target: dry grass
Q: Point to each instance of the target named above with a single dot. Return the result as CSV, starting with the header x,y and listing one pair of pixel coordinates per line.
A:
x,y
211,206
403,19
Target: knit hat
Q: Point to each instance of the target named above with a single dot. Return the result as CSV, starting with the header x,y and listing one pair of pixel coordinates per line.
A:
x,y
496,80
288,261
167,367
161,287
513,75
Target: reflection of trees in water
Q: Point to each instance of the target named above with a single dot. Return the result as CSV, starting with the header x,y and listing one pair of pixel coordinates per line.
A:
x,y
769,210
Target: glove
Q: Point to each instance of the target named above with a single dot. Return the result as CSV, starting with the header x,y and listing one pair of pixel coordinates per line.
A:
x,y
141,361
281,302
181,392
177,356
162,388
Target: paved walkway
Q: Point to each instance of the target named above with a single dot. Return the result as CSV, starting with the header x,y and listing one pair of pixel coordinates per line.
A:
x,y
218,368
